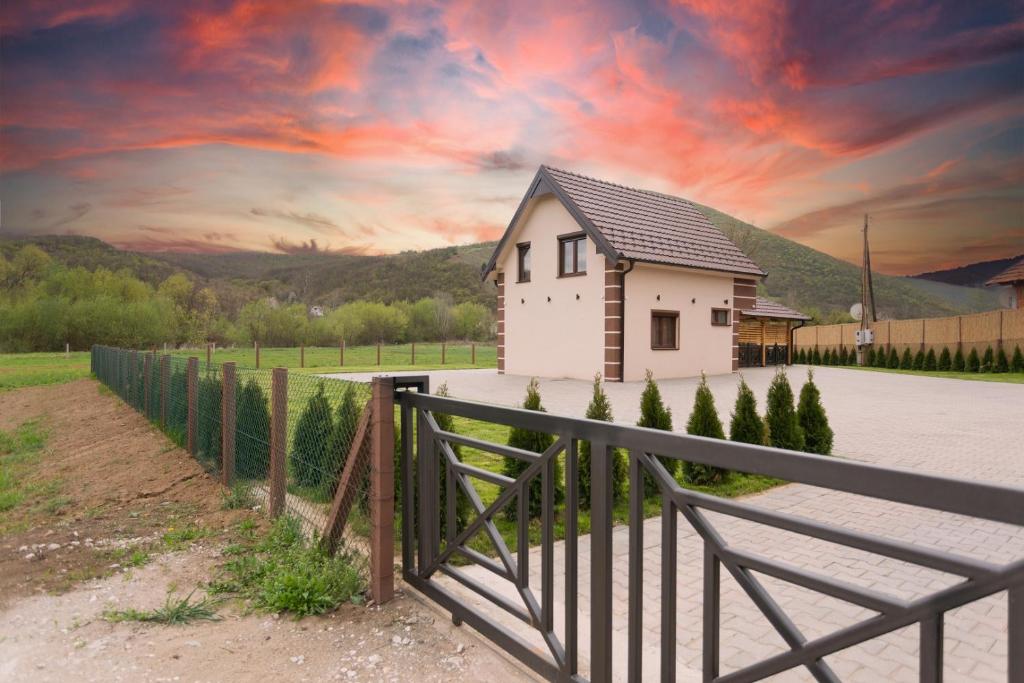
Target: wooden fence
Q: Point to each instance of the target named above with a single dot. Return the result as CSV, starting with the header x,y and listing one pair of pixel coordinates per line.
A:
x,y
1004,328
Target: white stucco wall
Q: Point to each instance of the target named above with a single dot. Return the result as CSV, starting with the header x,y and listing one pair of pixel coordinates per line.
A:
x,y
702,346
563,337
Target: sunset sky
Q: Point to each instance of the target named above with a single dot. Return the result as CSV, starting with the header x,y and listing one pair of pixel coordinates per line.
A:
x,y
378,127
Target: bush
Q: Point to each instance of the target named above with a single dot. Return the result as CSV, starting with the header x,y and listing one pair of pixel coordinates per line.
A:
x,y
836,355
537,442
208,426
959,365
309,459
177,410
704,422
343,431
462,505
893,361
826,358
813,420
600,409
973,363
1002,362
918,360
945,362
844,356
906,360
801,357
252,432
987,361
655,415
930,362
746,426
783,427
1017,364
869,360
816,357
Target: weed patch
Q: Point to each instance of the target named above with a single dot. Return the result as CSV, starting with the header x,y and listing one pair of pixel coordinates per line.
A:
x,y
175,612
177,539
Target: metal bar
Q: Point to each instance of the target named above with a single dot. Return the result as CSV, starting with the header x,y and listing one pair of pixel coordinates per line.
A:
x,y
1015,633
484,561
522,537
712,612
408,514
601,558
634,662
485,475
986,501
669,567
424,453
449,499
931,649
487,446
547,545
571,559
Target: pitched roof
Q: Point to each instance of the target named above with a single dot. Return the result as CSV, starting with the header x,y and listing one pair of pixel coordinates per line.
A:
x,y
641,225
765,308
1014,273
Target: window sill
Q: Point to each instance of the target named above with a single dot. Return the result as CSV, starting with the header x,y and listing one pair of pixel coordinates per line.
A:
x,y
561,275
664,348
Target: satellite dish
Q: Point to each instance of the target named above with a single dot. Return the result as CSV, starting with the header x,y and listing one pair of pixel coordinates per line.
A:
x,y
857,311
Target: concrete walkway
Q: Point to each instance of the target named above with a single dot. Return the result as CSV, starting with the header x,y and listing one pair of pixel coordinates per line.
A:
x,y
957,428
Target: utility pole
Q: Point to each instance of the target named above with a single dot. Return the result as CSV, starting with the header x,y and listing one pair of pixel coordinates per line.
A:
x,y
865,336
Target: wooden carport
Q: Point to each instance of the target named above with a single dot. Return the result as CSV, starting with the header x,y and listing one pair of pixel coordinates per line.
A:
x,y
765,333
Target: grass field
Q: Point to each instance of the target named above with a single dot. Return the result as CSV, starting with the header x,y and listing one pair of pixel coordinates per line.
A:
x,y
1005,377
32,369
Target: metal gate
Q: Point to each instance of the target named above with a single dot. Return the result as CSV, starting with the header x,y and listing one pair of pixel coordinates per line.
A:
x,y
430,552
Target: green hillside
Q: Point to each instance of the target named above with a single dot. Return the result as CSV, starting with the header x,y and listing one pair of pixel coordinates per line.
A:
x,y
806,279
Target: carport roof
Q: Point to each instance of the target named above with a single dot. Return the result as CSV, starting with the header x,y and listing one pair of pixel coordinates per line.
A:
x,y
765,308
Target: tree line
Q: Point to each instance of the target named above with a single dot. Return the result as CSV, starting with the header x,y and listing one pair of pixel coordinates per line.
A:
x,y
45,305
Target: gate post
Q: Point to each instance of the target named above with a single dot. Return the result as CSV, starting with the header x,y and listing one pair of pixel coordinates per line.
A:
x,y
192,394
228,409
382,490
278,438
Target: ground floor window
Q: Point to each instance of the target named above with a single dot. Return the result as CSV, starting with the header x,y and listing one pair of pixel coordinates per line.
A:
x,y
664,329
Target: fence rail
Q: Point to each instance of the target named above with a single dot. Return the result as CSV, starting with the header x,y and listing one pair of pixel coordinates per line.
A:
x,y
432,552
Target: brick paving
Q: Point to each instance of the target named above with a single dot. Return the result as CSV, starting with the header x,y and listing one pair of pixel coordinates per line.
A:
x,y
955,428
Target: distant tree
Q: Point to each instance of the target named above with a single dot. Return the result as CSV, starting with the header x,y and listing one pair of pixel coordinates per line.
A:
x,y
945,362
783,427
973,362
655,415
906,360
1017,364
746,426
704,422
538,442
987,361
813,420
919,360
1001,363
959,364
894,360
600,408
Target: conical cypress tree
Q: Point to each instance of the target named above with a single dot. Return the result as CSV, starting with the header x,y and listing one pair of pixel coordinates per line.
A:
x,y
959,364
600,409
208,426
462,505
655,415
869,360
816,357
1017,363
844,356
309,459
343,430
783,428
538,442
945,362
930,362
252,432
906,360
801,357
1002,364
835,358
894,360
918,360
973,363
813,420
987,361
826,358
177,413
704,422
746,426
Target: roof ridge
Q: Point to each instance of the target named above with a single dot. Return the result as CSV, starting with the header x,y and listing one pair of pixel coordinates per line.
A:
x,y
620,185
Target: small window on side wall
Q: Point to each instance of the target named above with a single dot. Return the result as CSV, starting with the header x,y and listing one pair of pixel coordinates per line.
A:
x,y
572,255
665,330
524,261
719,316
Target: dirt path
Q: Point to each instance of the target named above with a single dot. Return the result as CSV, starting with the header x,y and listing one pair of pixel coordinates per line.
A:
x,y
125,485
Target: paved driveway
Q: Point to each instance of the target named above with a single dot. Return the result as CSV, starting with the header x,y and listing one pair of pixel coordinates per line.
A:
x,y
956,428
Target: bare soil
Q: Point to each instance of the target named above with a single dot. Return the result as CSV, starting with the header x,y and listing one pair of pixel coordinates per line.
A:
x,y
126,484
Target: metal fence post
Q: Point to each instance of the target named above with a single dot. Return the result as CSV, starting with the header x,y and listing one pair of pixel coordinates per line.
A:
x,y
378,353
165,378
302,355
413,359
228,409
341,353
278,439
192,392
601,567
382,490
472,350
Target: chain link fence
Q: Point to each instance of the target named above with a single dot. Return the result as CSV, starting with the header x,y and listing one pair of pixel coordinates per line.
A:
x,y
319,424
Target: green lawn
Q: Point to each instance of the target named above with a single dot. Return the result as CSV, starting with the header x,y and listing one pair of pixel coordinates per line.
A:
x,y
393,357
1006,377
31,369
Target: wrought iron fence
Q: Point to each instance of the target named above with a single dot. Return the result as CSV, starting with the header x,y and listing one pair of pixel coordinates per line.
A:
x,y
434,553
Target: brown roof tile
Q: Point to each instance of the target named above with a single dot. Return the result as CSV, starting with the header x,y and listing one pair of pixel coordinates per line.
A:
x,y
1014,273
770,309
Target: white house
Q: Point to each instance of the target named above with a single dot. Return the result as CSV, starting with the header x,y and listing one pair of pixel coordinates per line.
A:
x,y
596,277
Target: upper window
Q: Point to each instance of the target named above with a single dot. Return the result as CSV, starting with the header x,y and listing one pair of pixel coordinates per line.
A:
x,y
719,316
572,255
524,261
664,329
